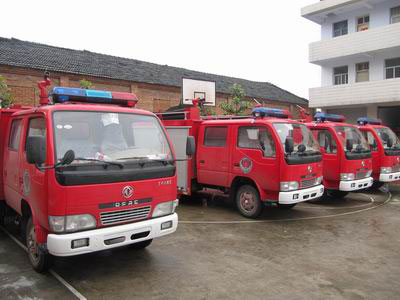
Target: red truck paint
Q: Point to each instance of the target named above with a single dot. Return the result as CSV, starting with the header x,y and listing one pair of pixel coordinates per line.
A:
x,y
381,157
123,207
229,167
335,160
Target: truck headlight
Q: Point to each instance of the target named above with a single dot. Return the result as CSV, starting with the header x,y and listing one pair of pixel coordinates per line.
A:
x,y
347,176
165,208
369,173
71,223
386,170
318,180
287,186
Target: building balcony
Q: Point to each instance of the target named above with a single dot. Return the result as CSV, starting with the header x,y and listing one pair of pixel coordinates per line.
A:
x,y
363,43
320,11
362,93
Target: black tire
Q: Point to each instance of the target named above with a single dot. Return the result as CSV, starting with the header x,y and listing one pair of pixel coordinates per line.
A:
x,y
286,206
3,212
248,201
335,194
377,185
40,260
141,245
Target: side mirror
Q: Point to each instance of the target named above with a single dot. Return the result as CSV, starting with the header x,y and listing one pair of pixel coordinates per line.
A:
x,y
68,158
289,145
349,145
190,146
36,150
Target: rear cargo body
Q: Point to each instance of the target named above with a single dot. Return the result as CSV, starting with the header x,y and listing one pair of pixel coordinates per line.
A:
x,y
229,155
385,159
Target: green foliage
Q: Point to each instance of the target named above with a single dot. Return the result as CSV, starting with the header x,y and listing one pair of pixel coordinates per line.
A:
x,y
206,111
85,84
237,105
5,95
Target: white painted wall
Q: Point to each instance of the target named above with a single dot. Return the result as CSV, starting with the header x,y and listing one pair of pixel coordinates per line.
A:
x,y
379,16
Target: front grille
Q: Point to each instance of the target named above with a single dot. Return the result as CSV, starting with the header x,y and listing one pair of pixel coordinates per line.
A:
x,y
120,216
309,183
396,169
361,175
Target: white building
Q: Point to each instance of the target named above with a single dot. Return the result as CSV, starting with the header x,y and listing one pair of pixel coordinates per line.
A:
x,y
359,55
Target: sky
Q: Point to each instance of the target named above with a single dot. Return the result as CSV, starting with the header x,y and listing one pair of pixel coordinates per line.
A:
x,y
256,40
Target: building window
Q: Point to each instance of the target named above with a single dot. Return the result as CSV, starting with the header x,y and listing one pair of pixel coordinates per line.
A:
x,y
340,28
363,23
392,67
215,136
341,75
395,15
362,70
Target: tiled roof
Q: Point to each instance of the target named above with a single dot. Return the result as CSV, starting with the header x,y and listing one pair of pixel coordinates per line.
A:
x,y
14,52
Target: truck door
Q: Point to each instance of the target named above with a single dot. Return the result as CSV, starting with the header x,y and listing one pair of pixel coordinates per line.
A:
x,y
11,172
255,156
213,155
328,144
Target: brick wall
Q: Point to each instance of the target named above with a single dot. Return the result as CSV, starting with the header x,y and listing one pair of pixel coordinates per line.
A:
x,y
152,97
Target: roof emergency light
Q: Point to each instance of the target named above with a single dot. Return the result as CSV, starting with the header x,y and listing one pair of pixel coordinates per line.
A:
x,y
65,94
366,120
261,112
321,117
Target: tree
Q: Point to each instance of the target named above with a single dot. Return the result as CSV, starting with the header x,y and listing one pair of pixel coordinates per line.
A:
x,y
85,84
237,105
5,94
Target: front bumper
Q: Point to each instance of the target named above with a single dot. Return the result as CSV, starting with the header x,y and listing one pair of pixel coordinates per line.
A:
x,y
354,185
389,177
297,196
61,244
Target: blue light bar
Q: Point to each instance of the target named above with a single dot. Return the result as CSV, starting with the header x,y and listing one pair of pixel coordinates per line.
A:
x,y
270,112
69,91
321,117
98,94
63,94
372,121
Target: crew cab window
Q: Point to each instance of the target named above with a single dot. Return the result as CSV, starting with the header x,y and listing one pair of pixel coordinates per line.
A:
x,y
257,138
325,140
37,127
15,135
215,136
371,140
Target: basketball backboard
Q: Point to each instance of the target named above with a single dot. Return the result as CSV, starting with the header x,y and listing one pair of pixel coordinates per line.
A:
x,y
193,88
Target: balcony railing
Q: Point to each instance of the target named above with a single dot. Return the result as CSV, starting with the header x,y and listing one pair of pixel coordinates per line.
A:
x,y
381,91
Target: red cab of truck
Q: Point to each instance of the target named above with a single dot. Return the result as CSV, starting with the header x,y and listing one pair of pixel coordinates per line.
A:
x,y
346,155
87,172
385,147
266,159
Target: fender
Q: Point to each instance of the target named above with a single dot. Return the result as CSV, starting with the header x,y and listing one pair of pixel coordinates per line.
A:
x,y
41,232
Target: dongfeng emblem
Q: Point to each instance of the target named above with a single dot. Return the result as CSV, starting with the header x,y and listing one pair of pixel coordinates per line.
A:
x,y
309,168
246,165
127,191
363,163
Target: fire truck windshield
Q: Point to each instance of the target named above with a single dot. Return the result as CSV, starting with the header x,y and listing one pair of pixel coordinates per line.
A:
x,y
107,136
300,134
352,139
388,138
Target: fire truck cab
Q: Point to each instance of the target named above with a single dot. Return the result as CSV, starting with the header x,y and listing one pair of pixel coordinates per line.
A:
x,y
266,159
346,155
385,147
83,174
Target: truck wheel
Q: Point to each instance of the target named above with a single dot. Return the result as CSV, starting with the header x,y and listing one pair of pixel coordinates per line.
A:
x,y
286,206
3,210
248,201
40,260
141,245
336,194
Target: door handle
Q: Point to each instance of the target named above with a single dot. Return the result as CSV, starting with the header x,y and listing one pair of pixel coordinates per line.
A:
x,y
236,165
202,161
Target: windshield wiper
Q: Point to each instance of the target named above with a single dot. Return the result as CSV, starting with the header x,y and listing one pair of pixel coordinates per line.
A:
x,y
144,159
102,161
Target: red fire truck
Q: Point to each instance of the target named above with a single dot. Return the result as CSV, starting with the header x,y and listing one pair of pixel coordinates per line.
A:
x,y
346,155
385,147
85,171
266,159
